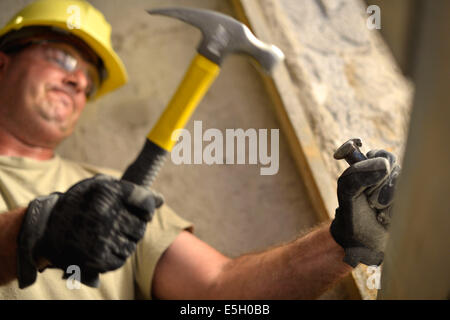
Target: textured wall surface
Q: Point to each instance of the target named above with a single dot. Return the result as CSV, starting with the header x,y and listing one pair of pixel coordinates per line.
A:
x,y
347,79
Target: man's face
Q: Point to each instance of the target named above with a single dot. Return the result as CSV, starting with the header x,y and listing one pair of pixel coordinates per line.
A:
x,y
40,101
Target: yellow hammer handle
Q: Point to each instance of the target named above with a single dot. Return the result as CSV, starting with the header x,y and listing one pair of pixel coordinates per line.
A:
x,y
196,82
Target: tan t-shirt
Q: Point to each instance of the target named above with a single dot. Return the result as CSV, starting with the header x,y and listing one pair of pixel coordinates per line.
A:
x,y
23,179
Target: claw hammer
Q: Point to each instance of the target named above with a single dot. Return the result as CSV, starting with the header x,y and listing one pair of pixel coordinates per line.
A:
x,y
222,35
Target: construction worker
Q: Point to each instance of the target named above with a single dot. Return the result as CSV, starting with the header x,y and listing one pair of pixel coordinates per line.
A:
x,y
60,217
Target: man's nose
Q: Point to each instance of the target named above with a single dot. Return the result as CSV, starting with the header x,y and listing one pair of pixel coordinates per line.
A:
x,y
77,80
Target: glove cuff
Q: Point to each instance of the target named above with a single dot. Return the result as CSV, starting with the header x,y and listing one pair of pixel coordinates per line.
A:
x,y
336,231
355,251
355,255
32,230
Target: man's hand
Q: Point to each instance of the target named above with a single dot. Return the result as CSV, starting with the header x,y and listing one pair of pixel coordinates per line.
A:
x,y
95,225
365,195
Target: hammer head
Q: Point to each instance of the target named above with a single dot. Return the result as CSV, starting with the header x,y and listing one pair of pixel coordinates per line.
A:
x,y
223,35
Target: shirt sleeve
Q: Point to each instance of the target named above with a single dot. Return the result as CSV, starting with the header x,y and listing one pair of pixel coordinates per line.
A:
x,y
165,226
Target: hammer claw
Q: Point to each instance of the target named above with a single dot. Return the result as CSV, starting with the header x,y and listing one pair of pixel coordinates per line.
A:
x,y
223,35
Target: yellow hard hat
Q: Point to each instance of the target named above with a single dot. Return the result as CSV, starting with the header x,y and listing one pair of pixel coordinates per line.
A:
x,y
82,20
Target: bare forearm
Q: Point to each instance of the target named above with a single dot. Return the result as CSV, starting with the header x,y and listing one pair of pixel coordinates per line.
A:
x,y
10,223
302,269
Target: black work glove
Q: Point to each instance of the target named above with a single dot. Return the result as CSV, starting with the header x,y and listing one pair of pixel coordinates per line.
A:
x,y
365,195
95,225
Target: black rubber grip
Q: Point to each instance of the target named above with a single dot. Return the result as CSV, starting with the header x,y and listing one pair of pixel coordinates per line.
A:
x,y
146,166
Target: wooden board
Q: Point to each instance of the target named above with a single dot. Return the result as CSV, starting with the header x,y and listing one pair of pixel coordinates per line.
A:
x,y
417,262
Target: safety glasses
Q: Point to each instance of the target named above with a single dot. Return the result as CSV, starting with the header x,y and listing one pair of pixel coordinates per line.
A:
x,y
59,54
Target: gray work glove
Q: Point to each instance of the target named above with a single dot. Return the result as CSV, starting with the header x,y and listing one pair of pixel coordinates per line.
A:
x,y
365,195
95,225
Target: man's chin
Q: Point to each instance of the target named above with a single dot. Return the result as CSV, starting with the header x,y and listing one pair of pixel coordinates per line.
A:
x,y
56,116
54,132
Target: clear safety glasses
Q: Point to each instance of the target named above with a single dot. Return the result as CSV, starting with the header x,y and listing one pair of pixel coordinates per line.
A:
x,y
59,54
